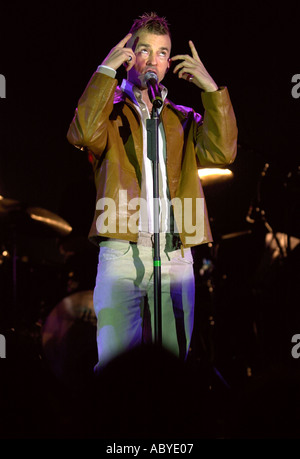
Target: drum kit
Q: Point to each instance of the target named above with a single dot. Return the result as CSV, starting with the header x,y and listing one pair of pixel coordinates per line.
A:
x,y
43,296
43,292
20,223
253,275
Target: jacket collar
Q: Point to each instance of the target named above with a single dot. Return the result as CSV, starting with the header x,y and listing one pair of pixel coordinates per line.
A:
x,y
133,92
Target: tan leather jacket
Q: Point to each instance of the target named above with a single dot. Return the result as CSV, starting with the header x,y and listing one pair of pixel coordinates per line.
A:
x,y
107,124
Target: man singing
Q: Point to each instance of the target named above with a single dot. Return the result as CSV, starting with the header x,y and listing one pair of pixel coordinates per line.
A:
x,y
110,123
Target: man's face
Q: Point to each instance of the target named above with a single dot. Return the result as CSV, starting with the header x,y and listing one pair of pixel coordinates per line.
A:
x,y
152,53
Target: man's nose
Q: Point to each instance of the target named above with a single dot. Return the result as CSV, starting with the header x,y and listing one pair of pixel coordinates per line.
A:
x,y
152,59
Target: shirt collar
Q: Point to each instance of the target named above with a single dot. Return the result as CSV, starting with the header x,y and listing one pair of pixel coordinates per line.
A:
x,y
135,93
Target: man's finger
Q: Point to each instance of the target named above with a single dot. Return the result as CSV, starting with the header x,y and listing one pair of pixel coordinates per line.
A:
x,y
182,65
194,51
123,42
178,57
129,63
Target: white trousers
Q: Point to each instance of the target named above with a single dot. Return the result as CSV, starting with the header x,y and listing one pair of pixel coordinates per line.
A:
x,y
124,279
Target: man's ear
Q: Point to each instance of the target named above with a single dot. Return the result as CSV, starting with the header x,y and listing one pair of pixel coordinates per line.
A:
x,y
169,65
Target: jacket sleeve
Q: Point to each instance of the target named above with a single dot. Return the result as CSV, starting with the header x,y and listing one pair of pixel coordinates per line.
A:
x,y
88,128
216,136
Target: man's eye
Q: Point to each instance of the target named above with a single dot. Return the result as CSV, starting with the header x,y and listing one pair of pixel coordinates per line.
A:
x,y
144,51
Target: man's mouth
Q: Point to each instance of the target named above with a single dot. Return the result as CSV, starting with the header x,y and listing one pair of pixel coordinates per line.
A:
x,y
150,70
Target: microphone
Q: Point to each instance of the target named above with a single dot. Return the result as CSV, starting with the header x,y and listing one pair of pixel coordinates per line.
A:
x,y
153,89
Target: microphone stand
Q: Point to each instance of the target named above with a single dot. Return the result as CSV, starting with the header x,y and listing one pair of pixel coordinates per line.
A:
x,y
152,153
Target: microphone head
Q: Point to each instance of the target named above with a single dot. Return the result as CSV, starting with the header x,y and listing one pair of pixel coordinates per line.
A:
x,y
151,80
149,76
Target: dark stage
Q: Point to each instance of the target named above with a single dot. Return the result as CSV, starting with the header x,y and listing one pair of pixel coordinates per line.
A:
x,y
242,376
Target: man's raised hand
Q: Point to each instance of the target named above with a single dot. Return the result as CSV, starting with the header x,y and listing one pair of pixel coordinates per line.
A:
x,y
192,69
120,54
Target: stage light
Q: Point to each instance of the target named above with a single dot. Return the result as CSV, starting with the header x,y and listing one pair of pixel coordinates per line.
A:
x,y
212,175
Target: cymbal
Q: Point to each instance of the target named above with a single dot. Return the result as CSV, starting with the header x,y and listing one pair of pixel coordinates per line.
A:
x,y
235,234
33,219
9,205
50,220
